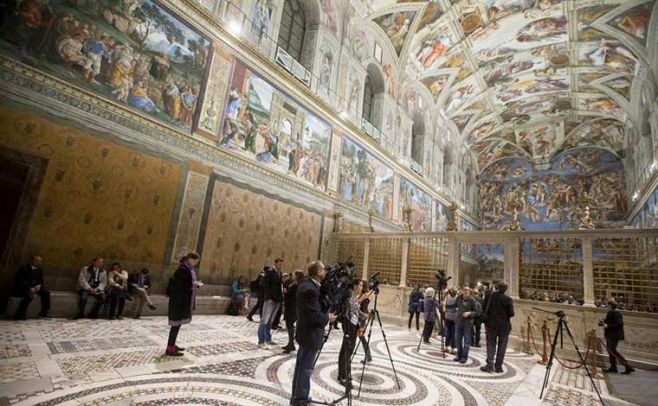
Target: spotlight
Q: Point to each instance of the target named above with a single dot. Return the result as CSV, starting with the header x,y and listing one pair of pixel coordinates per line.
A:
x,y
235,27
635,196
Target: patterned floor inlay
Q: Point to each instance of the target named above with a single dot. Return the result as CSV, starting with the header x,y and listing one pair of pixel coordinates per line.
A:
x,y
104,362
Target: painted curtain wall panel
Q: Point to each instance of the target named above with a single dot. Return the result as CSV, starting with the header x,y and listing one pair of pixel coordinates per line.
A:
x,y
136,53
647,217
419,202
555,198
263,124
365,180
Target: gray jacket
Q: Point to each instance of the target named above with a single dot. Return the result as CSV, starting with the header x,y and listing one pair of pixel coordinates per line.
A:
x,y
89,276
469,305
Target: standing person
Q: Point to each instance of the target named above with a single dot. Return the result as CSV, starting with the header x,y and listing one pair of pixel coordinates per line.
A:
x,y
467,309
138,286
364,299
498,310
477,322
310,331
273,296
285,281
430,305
91,282
450,306
256,287
350,324
117,290
290,310
28,282
415,306
614,332
181,290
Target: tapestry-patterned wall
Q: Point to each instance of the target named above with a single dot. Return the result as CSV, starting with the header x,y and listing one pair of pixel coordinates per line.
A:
x,y
263,124
135,53
247,230
97,198
364,180
555,198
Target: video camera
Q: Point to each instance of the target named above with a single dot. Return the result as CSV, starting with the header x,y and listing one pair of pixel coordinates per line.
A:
x,y
441,279
373,283
335,287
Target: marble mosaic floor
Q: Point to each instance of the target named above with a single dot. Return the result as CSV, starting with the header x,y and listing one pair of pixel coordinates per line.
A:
x,y
84,362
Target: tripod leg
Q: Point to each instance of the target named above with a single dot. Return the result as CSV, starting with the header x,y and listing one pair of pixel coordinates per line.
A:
x,y
379,320
326,337
356,348
573,341
363,368
549,365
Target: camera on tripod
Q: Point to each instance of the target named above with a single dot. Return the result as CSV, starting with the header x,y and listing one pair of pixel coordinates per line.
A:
x,y
335,287
373,283
441,279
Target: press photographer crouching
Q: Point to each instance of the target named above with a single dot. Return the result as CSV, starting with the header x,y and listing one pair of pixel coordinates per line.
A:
x,y
310,331
614,332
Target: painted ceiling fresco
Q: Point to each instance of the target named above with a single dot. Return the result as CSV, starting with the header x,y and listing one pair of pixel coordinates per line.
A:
x,y
523,78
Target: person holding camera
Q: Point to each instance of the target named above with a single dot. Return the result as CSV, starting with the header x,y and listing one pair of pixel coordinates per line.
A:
x,y
364,301
467,310
310,331
350,324
613,325
498,310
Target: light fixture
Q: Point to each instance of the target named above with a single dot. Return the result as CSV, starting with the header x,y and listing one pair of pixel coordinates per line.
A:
x,y
653,166
635,196
235,27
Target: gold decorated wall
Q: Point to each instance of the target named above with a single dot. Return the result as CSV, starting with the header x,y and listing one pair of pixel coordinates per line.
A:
x,y
96,197
247,230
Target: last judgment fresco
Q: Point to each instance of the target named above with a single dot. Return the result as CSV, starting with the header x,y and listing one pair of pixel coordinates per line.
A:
x,y
556,197
135,53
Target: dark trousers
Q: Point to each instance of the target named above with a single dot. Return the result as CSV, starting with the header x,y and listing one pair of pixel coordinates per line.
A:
x,y
43,294
614,355
427,330
366,347
463,337
450,334
346,349
290,326
277,319
84,295
496,346
257,308
173,335
301,381
478,329
411,316
117,298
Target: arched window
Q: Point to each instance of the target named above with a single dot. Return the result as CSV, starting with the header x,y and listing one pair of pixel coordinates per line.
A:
x,y
293,28
368,98
418,138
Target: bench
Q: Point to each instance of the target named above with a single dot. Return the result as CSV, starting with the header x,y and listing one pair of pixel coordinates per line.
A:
x,y
65,305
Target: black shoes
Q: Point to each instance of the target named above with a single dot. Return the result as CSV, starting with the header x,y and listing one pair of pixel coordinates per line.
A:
x,y
499,370
174,353
628,371
611,370
152,306
180,348
249,318
487,369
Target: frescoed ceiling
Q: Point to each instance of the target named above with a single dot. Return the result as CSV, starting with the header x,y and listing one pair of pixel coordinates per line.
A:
x,y
526,78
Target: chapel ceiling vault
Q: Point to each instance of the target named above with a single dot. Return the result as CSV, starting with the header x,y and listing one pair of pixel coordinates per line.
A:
x,y
525,78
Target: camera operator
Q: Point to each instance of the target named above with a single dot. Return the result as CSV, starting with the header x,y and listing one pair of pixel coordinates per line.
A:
x,y
310,331
350,327
364,299
498,310
614,332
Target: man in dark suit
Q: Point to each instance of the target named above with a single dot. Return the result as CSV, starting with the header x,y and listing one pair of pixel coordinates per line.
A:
x,y
614,332
27,283
310,330
498,310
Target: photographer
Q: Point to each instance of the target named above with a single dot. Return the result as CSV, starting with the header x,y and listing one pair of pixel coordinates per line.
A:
x,y
467,310
364,299
614,332
415,306
310,331
498,310
350,327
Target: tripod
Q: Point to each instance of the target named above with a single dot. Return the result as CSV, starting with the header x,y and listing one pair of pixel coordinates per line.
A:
x,y
439,318
348,379
371,321
561,326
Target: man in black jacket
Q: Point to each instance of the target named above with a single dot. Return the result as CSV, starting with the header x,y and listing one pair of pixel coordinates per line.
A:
x,y
614,332
290,309
497,312
27,283
272,296
256,287
310,329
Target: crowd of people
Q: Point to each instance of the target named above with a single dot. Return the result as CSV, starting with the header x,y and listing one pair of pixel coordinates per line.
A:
x,y
553,297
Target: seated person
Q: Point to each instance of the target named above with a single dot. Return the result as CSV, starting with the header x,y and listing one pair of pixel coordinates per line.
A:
x,y
91,282
138,286
27,283
117,290
237,295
